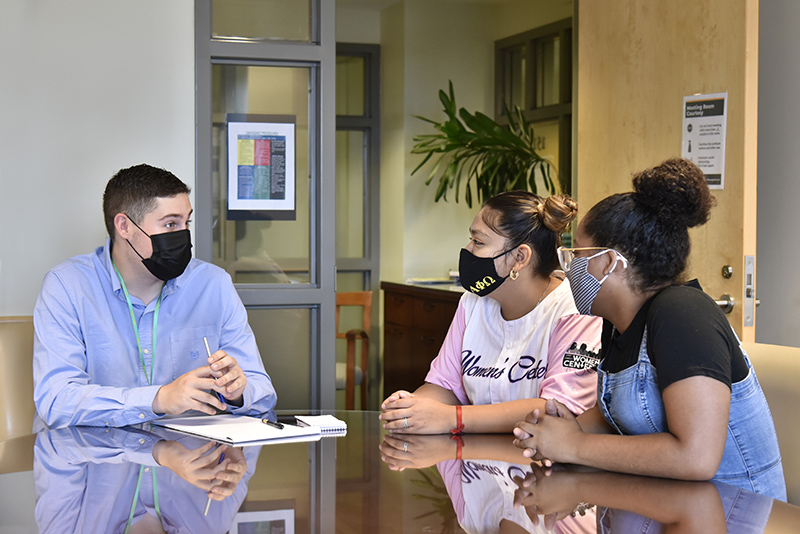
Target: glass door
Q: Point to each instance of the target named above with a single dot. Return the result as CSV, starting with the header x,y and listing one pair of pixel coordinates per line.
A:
x,y
265,182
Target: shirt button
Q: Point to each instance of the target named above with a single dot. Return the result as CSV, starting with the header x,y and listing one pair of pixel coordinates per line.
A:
x,y
508,345
146,351
141,441
146,469
141,416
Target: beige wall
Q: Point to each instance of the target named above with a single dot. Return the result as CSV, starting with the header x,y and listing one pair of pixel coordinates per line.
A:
x,y
87,87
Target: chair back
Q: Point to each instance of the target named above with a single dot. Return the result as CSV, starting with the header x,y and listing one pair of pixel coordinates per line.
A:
x,y
16,377
778,368
355,298
350,371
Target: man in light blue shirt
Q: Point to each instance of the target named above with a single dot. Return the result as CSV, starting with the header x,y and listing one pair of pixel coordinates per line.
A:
x,y
120,333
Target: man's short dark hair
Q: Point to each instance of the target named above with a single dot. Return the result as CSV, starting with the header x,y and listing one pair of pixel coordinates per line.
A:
x,y
134,191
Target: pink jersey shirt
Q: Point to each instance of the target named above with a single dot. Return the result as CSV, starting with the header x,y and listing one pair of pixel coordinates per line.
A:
x,y
552,352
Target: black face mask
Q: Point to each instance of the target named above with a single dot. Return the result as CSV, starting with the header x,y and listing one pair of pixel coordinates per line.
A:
x,y
478,275
172,252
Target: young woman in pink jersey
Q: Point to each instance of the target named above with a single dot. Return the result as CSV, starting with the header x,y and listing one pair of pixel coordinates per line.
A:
x,y
516,336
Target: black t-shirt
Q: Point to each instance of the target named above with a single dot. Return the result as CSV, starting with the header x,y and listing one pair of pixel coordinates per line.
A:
x,y
687,335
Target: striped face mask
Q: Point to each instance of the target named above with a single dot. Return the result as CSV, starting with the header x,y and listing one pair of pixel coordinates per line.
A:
x,y
583,284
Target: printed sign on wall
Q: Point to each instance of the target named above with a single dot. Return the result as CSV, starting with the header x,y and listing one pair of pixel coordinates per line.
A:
x,y
704,127
261,173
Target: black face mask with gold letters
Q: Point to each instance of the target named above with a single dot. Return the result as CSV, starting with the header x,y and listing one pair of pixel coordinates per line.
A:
x,y
478,275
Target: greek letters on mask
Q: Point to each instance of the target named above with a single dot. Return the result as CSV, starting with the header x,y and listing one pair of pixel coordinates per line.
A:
x,y
480,285
526,368
477,274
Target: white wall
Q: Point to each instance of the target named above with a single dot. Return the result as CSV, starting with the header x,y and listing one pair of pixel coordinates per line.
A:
x,y
778,257
87,87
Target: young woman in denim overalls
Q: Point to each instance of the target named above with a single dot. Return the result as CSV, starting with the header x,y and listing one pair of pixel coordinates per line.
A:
x,y
677,397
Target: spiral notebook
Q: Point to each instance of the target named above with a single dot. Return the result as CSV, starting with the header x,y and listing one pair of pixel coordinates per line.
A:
x,y
327,424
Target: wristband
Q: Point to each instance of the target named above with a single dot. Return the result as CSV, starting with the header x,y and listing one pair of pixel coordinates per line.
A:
x,y
459,429
459,444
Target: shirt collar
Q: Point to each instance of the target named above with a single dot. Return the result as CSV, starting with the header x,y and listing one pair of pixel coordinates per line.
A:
x,y
105,257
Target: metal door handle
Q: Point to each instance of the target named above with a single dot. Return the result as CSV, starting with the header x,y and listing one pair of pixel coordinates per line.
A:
x,y
726,302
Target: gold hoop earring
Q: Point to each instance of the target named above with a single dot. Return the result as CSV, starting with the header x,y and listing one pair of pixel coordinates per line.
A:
x,y
513,274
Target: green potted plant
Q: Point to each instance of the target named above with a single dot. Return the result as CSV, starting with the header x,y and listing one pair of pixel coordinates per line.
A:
x,y
482,153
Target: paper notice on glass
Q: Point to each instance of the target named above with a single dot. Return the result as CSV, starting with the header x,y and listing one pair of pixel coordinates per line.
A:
x,y
704,129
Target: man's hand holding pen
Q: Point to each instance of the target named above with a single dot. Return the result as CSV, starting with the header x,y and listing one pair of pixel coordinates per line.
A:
x,y
207,389
229,378
215,469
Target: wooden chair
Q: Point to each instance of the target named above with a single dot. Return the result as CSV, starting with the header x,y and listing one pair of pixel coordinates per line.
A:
x,y
348,375
16,377
778,369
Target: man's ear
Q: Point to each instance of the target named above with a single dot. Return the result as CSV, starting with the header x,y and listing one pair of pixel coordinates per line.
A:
x,y
123,226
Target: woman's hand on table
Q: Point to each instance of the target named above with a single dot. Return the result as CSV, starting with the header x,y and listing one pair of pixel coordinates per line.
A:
x,y
405,413
416,452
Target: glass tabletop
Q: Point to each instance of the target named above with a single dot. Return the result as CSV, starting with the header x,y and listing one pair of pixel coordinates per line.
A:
x,y
107,480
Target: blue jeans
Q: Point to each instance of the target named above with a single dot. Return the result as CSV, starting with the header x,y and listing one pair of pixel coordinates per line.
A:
x,y
631,403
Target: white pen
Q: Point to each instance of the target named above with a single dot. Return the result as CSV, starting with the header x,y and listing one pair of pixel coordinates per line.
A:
x,y
208,351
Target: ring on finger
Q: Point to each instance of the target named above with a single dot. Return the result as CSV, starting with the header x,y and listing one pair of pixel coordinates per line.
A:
x,y
405,422
405,446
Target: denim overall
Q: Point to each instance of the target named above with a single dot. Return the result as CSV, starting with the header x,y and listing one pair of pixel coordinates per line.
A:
x,y
631,403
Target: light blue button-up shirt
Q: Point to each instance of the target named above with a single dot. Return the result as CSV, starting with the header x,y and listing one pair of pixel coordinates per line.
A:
x,y
86,481
86,367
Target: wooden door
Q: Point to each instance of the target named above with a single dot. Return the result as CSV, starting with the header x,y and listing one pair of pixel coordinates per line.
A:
x,y
636,60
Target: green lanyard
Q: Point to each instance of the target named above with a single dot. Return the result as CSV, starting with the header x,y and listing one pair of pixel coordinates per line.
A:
x,y
136,328
150,382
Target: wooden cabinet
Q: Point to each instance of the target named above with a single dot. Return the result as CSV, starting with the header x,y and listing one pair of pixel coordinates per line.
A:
x,y
416,319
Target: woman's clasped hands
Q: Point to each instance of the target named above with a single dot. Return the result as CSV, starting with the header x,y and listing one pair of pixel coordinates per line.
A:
x,y
552,436
406,413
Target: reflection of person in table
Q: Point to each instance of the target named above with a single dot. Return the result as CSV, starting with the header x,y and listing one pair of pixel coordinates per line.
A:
x,y
479,472
631,503
677,395
516,337
107,480
119,333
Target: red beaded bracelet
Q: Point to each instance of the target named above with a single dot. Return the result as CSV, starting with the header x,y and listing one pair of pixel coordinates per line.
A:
x,y
459,429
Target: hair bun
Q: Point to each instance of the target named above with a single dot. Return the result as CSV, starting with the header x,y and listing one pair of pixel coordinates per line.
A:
x,y
557,212
676,191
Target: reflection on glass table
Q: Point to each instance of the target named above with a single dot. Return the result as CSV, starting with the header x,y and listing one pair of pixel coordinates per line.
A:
x,y
108,480
495,490
367,481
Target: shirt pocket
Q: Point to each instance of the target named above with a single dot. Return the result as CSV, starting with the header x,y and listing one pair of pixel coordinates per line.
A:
x,y
188,350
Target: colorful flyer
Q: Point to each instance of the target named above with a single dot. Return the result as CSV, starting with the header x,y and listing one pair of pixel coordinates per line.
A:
x,y
261,173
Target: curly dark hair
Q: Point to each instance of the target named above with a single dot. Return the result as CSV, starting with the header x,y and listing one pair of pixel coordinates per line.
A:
x,y
134,190
524,218
649,226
